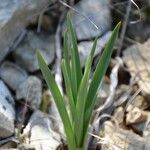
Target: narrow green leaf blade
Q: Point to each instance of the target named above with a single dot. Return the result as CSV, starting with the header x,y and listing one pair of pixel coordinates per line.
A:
x,y
99,74
66,54
73,77
58,100
69,91
82,96
75,54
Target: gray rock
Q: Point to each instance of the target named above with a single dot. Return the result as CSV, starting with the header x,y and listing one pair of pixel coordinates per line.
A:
x,y
7,112
25,54
12,74
30,89
53,111
138,119
39,133
119,115
15,15
98,11
85,47
25,147
117,138
140,102
8,143
137,59
48,105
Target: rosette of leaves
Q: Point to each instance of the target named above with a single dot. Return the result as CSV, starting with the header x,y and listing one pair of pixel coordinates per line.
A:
x,y
81,93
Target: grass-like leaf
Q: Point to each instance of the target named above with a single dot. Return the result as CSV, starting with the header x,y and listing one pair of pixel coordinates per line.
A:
x,y
80,93
58,100
76,66
69,90
67,55
99,74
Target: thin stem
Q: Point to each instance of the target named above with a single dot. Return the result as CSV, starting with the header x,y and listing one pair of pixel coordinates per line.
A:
x,y
123,31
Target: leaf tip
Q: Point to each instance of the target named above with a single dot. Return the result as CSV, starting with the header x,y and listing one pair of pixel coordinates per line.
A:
x,y
38,54
118,26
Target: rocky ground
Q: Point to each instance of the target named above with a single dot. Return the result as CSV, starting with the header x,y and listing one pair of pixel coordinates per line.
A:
x,y
28,115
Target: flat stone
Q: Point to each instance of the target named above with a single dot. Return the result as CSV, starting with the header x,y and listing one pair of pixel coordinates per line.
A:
x,y
117,138
12,74
7,112
119,115
53,111
9,143
138,119
14,17
137,59
30,89
135,115
140,102
98,11
25,147
86,46
39,132
25,53
121,90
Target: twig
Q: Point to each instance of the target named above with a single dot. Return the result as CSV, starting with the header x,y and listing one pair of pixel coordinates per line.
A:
x,y
12,138
121,13
96,126
40,22
71,2
140,15
42,13
120,3
123,31
133,97
102,139
19,39
25,109
113,85
125,96
78,12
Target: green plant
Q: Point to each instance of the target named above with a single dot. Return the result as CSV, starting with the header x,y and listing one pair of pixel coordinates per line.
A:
x,y
80,92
